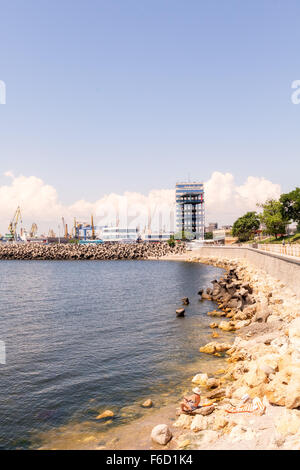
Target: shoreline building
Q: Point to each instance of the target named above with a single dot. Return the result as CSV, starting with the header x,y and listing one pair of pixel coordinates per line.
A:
x,y
157,236
190,209
117,234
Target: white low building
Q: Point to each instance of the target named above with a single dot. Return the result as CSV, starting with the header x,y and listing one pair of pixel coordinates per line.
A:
x,y
157,237
119,234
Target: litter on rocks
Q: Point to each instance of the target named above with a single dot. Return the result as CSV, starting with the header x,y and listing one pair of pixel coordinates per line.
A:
x,y
248,406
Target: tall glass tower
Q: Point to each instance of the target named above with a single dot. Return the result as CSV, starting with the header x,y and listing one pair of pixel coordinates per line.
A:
x,y
190,210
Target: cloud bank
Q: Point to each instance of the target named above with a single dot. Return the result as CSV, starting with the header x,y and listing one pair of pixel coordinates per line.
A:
x,y
40,203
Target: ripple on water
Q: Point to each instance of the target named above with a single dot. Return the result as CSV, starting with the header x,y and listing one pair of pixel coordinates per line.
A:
x,y
87,336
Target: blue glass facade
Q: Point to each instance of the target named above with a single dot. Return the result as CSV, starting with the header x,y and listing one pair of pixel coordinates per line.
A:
x,y
190,209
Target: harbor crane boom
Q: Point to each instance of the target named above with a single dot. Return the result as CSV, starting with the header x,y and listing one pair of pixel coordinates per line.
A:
x,y
33,230
12,228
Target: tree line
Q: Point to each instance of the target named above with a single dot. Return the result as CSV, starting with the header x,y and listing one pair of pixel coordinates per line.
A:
x,y
274,218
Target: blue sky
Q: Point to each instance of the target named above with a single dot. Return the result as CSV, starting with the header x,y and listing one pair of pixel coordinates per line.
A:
x,y
115,95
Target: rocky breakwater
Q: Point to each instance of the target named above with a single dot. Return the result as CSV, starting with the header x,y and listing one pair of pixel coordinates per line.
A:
x,y
263,363
235,300
105,251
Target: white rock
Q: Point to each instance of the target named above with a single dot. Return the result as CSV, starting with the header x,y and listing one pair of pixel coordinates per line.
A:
x,y
240,392
293,392
208,437
199,423
242,323
161,434
200,379
281,344
288,423
184,421
242,433
295,356
294,332
272,318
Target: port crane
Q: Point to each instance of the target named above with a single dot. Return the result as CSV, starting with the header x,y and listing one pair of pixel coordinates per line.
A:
x,y
12,228
85,228
65,228
33,230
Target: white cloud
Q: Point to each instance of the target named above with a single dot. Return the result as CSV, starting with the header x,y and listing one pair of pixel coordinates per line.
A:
x,y
40,203
225,201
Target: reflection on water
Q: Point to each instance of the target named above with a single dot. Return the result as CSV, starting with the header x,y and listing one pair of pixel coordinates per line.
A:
x,y
85,336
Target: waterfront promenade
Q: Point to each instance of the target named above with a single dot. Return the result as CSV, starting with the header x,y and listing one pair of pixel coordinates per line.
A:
x,y
292,251
280,266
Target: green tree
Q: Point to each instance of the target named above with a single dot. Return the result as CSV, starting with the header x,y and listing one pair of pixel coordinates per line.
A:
x,y
245,227
208,236
184,236
273,218
290,205
171,241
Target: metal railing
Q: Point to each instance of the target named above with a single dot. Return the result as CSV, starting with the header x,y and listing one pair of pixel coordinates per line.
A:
x,y
288,250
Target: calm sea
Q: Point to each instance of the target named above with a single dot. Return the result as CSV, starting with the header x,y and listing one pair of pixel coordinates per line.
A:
x,y
85,336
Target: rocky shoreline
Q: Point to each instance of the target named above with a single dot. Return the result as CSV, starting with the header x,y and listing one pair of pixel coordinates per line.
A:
x,y
72,251
263,362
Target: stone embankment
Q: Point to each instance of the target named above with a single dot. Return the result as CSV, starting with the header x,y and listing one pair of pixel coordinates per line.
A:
x,y
105,251
263,361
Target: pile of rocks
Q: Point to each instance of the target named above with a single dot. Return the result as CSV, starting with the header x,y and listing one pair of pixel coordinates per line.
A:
x,y
236,301
263,361
105,251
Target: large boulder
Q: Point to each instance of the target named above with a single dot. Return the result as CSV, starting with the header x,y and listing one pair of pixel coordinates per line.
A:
x,y
242,433
205,410
212,383
269,363
255,377
209,348
247,287
240,324
184,421
294,333
205,296
249,311
200,379
293,389
234,303
216,393
105,414
289,423
262,313
220,422
199,423
180,312
161,434
226,298
276,390
240,315
227,326
215,347
217,313
147,403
